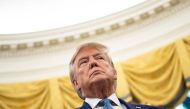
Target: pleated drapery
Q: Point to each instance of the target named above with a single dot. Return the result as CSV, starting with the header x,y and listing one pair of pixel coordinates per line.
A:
x,y
160,77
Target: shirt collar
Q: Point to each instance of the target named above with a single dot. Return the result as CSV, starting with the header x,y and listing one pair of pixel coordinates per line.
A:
x,y
94,101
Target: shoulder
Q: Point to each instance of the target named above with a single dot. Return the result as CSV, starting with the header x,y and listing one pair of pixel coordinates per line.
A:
x,y
140,106
137,106
84,106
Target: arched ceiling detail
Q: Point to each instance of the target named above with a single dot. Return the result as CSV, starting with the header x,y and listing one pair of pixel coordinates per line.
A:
x,y
128,33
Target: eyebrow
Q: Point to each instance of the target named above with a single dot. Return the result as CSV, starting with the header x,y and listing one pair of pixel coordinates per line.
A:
x,y
97,54
85,57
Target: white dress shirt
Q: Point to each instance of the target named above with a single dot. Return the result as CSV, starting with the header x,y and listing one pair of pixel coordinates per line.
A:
x,y
94,101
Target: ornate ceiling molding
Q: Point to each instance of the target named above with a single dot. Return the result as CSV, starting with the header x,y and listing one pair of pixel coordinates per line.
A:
x,y
29,42
41,55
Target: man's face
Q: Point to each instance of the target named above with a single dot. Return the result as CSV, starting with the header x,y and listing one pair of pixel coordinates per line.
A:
x,y
92,67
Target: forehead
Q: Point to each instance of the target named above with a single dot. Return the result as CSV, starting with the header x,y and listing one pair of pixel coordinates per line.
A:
x,y
87,51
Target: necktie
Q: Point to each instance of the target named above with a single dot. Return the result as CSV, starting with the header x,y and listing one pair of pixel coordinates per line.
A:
x,y
106,103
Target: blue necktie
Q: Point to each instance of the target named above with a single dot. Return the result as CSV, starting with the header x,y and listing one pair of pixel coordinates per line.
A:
x,y
106,103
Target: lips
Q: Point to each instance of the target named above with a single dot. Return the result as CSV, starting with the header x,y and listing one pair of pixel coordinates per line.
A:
x,y
95,72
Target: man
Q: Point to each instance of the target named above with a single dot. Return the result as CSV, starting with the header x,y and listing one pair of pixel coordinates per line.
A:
x,y
94,77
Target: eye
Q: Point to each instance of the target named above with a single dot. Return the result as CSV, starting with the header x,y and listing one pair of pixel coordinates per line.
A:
x,y
100,57
82,62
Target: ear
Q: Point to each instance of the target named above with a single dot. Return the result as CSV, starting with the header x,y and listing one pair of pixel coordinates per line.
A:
x,y
76,85
115,74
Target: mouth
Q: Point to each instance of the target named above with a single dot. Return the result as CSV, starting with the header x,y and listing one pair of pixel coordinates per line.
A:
x,y
96,72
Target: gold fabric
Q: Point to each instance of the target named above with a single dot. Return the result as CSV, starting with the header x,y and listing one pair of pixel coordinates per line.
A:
x,y
55,93
160,77
152,76
183,48
122,86
34,95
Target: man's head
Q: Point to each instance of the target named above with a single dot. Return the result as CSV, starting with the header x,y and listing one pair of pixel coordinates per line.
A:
x,y
92,71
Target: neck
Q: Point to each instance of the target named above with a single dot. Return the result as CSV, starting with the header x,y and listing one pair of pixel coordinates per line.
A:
x,y
99,92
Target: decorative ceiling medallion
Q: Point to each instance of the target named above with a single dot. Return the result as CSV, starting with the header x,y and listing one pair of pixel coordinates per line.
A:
x,y
144,15
69,38
5,47
21,46
115,26
53,42
99,31
38,44
84,35
174,2
159,9
130,21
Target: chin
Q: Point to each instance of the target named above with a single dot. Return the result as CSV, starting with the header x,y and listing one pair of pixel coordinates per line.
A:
x,y
98,79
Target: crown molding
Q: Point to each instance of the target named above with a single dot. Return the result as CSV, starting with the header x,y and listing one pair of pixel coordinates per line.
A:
x,y
96,28
35,58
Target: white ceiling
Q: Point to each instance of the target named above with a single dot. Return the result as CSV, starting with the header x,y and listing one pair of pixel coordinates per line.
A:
x,y
158,30
21,16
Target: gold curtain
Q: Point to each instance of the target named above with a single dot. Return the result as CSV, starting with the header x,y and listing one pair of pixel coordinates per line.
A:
x,y
160,77
55,93
34,95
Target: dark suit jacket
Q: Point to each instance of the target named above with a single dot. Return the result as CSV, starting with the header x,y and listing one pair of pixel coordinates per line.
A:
x,y
129,106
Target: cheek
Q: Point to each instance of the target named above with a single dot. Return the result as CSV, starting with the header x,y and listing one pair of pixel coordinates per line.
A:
x,y
109,69
106,66
81,75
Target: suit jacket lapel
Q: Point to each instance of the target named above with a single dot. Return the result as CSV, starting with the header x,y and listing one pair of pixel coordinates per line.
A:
x,y
128,106
85,106
133,106
137,106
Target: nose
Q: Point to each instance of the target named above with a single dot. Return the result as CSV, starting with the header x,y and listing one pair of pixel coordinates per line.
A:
x,y
93,64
